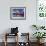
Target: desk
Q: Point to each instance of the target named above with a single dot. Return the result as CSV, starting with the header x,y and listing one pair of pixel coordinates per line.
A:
x,y
17,43
8,34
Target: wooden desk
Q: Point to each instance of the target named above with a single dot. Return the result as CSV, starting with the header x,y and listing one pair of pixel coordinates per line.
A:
x,y
8,34
17,43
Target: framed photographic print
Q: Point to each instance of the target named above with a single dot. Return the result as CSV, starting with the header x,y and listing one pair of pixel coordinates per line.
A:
x,y
17,13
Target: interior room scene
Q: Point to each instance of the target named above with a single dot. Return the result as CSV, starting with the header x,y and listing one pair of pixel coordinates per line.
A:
x,y
22,22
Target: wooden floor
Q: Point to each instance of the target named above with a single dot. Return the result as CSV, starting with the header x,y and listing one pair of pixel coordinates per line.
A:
x,y
13,44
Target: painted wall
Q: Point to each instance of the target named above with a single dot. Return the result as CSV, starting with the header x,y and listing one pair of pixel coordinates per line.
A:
x,y
24,25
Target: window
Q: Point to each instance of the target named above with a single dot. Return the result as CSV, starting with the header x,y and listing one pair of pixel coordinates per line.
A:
x,y
41,8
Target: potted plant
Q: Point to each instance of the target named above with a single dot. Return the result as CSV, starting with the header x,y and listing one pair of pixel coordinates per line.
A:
x,y
39,35
35,26
38,27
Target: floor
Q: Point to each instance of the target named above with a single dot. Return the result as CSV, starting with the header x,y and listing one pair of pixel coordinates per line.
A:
x,y
13,44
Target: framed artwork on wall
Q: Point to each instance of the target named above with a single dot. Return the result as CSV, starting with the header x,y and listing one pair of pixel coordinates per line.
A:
x,y
17,13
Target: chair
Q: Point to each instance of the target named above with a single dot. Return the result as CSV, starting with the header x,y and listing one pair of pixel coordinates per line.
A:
x,y
14,32
25,36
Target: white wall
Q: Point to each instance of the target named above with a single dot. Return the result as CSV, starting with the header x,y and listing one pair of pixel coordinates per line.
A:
x,y
24,25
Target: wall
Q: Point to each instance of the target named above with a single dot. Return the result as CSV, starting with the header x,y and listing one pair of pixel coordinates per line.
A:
x,y
24,25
